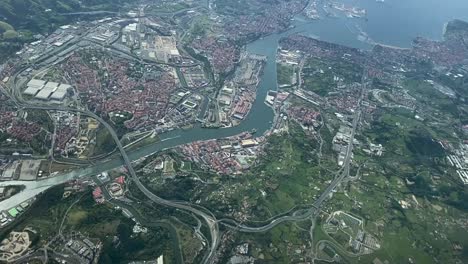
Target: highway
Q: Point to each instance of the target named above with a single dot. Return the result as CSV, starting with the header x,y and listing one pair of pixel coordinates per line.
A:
x,y
15,96
211,221
343,173
208,218
299,215
316,206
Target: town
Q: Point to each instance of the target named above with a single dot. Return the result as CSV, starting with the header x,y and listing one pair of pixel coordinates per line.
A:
x,y
228,132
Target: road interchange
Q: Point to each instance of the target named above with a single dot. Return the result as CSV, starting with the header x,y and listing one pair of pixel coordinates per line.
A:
x,y
212,223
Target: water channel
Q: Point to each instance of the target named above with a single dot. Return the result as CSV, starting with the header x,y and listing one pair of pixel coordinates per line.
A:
x,y
385,23
394,22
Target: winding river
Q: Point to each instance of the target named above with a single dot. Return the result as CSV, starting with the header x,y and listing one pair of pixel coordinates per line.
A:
x,y
393,22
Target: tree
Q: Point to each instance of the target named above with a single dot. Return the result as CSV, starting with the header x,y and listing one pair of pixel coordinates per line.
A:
x,y
10,34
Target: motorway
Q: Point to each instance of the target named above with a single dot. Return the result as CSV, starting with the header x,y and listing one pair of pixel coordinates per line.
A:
x,y
317,205
213,224
343,173
203,213
209,218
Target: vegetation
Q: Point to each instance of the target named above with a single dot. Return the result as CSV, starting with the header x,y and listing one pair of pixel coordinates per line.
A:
x,y
167,7
104,142
278,245
289,174
243,7
42,16
21,19
96,221
286,74
320,76
456,25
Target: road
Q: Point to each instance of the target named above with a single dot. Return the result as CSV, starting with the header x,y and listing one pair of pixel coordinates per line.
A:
x,y
343,173
44,185
211,221
317,205
299,215
127,204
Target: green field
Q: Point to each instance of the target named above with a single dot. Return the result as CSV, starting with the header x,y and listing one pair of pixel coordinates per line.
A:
x,y
186,166
104,142
319,75
291,167
286,74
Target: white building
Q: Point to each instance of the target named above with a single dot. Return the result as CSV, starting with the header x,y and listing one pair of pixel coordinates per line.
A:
x,y
34,86
36,83
31,91
44,94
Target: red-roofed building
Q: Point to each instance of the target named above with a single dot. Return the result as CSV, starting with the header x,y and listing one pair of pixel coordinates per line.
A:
x,y
120,180
97,195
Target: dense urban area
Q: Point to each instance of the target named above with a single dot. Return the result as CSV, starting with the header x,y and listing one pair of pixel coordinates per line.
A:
x,y
166,132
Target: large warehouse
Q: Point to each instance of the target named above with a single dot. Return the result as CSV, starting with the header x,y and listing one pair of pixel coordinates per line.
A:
x,y
60,92
34,86
44,90
36,83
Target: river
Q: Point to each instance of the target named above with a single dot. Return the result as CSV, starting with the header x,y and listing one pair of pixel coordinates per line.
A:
x,y
394,22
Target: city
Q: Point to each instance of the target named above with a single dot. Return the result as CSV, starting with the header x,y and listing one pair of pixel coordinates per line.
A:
x,y
228,132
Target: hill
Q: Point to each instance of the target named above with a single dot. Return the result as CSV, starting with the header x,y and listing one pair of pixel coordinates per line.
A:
x,y
20,20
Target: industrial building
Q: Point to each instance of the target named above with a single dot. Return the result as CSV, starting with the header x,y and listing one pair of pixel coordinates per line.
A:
x,y
34,86
44,94
248,143
48,89
51,86
44,90
31,91
60,92
36,83
11,171
58,95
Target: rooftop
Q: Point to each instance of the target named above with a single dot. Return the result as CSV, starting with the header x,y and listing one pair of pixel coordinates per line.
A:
x,y
51,85
63,86
58,95
32,90
13,212
36,83
44,94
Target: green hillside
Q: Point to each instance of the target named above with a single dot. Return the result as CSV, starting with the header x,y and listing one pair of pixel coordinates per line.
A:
x,y
20,20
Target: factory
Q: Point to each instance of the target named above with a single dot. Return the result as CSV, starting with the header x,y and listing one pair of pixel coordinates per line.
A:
x,y
46,91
